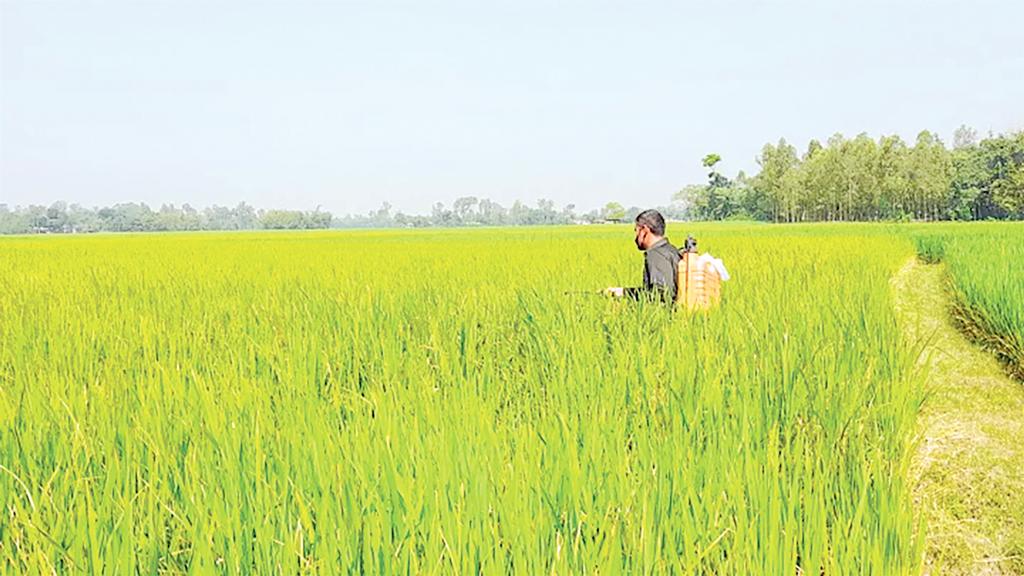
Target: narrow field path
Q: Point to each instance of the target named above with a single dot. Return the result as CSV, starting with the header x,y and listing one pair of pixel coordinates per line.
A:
x,y
968,472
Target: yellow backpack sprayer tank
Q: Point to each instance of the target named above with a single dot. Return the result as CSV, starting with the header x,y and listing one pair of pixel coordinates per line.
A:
x,y
699,278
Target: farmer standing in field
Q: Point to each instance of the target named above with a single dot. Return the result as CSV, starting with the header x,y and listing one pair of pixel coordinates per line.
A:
x,y
661,261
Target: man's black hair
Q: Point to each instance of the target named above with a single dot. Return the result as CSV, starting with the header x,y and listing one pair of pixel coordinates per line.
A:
x,y
653,220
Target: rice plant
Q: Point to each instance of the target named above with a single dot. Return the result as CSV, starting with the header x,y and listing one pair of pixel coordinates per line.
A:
x,y
433,402
987,275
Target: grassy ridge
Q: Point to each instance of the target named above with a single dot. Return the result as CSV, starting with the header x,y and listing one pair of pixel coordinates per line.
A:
x,y
410,401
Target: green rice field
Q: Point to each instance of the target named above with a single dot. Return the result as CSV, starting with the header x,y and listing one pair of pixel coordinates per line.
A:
x,y
435,401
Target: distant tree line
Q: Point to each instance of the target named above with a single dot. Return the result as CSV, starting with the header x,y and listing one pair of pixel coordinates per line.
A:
x,y
138,217
473,211
864,179
131,217
842,180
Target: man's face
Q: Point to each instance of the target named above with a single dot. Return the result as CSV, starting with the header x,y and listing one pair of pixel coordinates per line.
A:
x,y
642,232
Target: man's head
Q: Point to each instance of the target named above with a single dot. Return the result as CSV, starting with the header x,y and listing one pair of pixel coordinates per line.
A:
x,y
650,227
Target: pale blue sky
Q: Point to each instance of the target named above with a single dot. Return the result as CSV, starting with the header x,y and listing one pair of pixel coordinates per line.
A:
x,y
348,104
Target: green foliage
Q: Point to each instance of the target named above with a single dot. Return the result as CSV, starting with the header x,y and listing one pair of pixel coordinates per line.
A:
x,y
613,211
865,180
710,160
720,199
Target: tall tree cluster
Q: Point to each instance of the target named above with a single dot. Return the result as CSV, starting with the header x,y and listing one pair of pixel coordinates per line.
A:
x,y
863,179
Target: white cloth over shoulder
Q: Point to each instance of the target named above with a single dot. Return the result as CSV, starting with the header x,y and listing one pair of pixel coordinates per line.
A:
x,y
716,263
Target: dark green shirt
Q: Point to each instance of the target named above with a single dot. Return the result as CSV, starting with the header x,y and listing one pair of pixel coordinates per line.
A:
x,y
661,265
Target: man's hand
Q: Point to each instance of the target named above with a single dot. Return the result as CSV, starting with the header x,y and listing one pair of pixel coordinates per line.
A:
x,y
615,291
